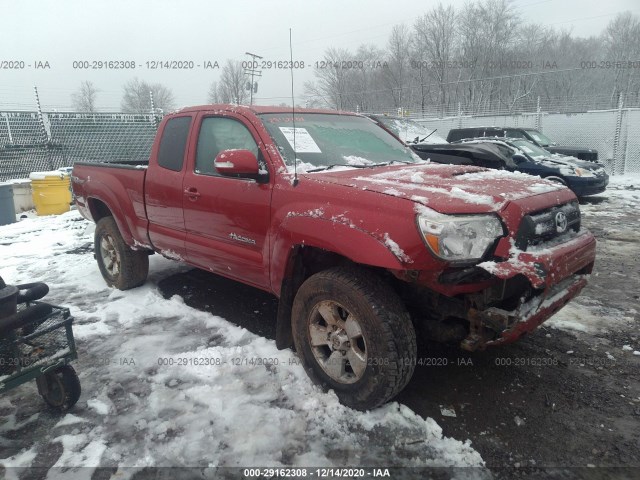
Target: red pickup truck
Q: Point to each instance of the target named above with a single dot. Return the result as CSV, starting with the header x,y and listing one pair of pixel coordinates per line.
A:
x,y
362,242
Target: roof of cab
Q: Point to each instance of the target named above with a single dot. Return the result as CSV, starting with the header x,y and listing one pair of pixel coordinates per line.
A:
x,y
258,109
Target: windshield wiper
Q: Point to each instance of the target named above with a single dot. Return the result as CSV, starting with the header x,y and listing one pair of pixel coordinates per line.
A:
x,y
428,136
383,164
418,140
370,165
319,169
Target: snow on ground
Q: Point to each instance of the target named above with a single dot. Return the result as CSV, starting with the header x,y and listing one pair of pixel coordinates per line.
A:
x,y
590,315
587,315
167,385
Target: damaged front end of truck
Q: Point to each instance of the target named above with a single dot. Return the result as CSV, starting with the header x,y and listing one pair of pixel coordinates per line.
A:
x,y
536,269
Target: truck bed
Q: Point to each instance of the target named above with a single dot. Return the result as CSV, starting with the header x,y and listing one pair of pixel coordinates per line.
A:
x,y
120,186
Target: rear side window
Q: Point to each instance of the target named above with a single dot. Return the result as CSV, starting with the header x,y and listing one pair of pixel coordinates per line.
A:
x,y
455,135
515,134
173,143
491,132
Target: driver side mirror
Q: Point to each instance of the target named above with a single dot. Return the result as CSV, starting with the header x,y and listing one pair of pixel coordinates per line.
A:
x,y
234,163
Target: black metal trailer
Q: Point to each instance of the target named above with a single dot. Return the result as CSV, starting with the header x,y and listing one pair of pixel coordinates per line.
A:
x,y
36,343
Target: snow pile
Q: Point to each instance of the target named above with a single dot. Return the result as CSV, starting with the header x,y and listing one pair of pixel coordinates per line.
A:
x,y
56,174
393,192
167,385
587,315
355,160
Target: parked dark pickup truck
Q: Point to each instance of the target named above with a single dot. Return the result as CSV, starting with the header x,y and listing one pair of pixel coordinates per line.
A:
x,y
534,136
361,241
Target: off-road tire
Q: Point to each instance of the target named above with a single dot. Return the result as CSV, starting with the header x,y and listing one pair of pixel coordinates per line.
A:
x,y
385,325
133,264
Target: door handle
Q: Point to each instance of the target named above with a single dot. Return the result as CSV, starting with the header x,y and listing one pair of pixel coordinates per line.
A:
x,y
192,193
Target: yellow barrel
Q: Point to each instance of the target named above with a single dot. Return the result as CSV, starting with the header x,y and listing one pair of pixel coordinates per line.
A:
x,y
51,192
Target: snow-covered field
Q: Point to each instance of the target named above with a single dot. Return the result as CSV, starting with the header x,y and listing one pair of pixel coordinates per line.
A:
x,y
167,385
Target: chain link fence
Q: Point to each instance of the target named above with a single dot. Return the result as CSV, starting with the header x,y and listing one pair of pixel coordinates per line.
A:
x,y
34,141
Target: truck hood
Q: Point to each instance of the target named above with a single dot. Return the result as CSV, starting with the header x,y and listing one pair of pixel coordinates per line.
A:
x,y
445,188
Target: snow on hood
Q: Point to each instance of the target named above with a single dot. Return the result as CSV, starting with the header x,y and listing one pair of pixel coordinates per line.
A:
x,y
446,188
567,162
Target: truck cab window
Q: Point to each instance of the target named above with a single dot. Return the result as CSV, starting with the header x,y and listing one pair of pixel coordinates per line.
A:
x,y
514,134
217,134
173,142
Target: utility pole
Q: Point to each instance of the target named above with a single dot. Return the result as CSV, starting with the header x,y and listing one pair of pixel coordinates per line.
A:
x,y
253,71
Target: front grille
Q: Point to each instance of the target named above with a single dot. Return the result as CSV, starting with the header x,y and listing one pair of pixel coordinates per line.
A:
x,y
543,226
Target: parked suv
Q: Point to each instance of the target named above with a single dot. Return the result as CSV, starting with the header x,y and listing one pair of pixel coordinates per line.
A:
x,y
534,136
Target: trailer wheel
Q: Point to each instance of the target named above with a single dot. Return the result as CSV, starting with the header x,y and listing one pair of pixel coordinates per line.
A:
x,y
62,388
354,335
120,266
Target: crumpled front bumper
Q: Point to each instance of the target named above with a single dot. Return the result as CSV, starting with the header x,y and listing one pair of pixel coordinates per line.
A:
x,y
546,267
530,314
559,273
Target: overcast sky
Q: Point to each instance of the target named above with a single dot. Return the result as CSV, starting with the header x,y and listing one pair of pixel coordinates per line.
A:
x,y
63,31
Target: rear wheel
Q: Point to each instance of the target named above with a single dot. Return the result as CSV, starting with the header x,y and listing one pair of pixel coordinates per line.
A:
x,y
120,266
62,389
354,336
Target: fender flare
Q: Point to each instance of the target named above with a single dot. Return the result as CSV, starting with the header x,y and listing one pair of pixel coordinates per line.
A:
x,y
355,244
349,241
116,213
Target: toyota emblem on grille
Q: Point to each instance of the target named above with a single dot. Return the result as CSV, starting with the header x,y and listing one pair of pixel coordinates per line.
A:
x,y
561,222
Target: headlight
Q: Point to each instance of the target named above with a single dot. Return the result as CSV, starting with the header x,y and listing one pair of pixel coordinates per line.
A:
x,y
581,172
459,238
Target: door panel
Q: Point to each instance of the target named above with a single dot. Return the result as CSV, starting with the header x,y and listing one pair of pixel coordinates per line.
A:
x,y
226,219
163,192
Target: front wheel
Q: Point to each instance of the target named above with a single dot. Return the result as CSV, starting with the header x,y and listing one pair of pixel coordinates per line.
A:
x,y
354,336
120,266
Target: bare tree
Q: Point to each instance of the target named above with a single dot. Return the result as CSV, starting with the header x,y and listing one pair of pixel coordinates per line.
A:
x,y
488,34
397,75
622,43
435,43
366,81
137,97
232,85
214,93
332,80
84,99
485,59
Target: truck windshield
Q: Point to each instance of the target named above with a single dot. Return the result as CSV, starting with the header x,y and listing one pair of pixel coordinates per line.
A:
x,y
540,138
326,140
